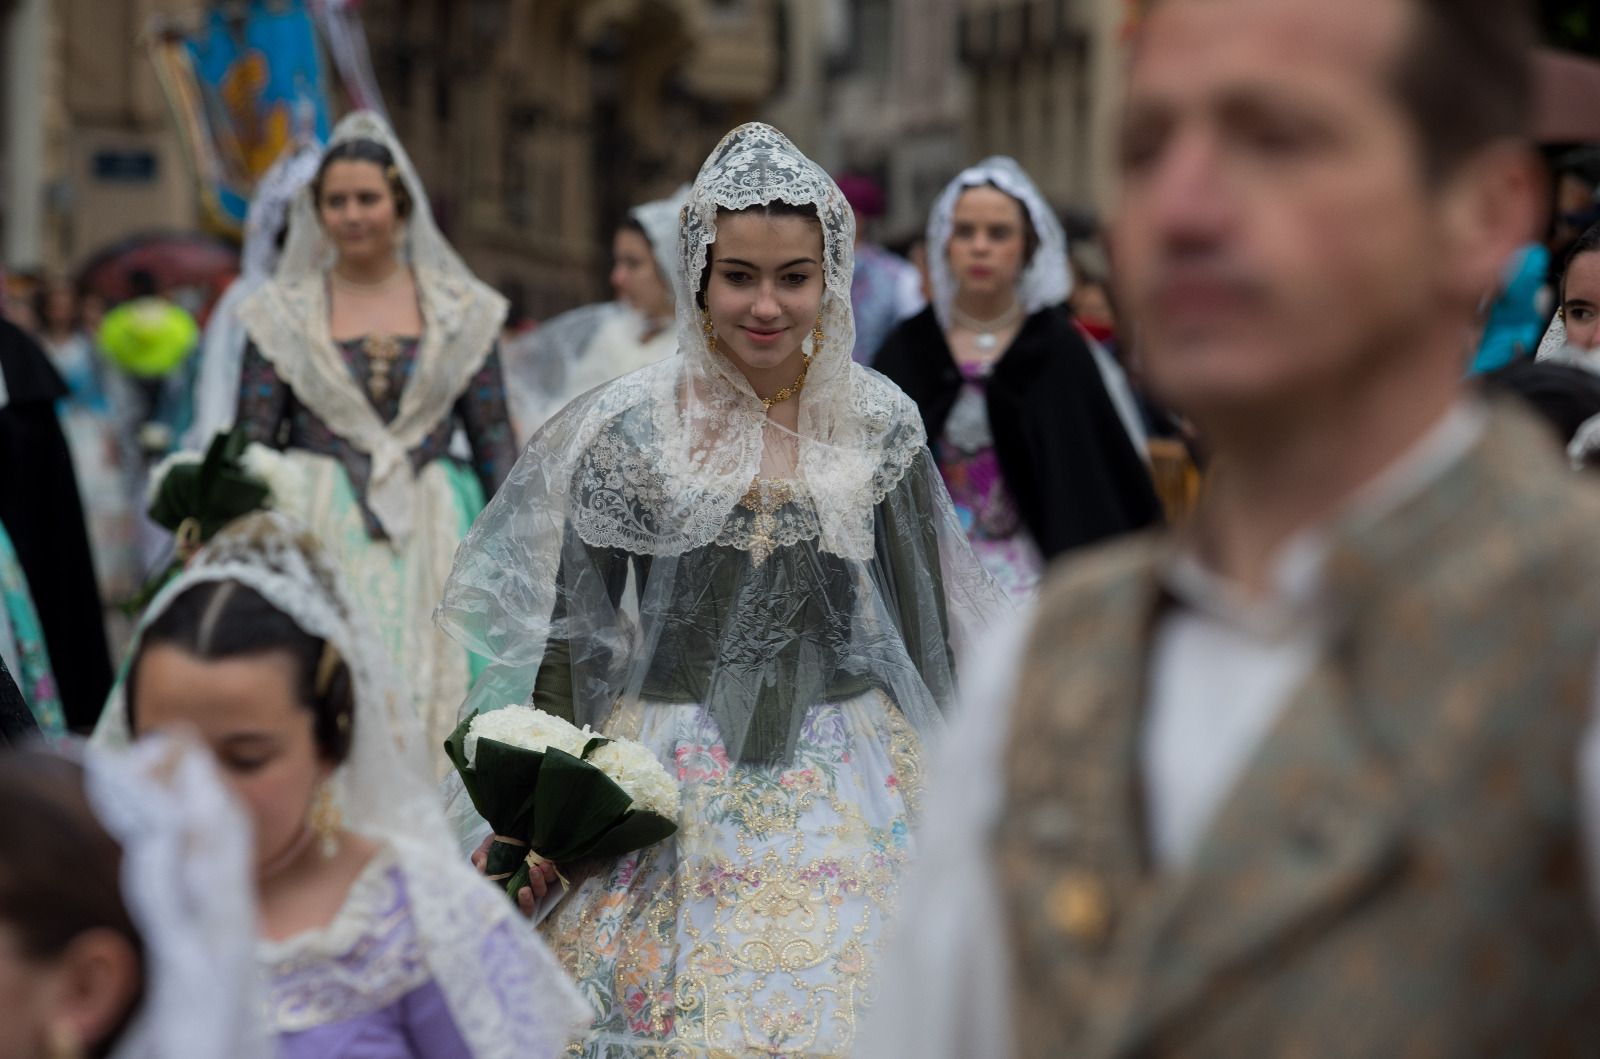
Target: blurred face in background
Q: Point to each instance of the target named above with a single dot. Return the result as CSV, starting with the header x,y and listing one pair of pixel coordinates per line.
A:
x,y
358,210
1278,235
635,277
61,307
1580,301
91,312
988,243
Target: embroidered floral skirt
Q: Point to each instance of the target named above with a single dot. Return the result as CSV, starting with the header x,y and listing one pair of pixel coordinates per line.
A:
x,y
755,929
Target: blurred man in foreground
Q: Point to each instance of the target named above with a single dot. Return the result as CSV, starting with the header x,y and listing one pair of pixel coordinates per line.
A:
x,y
1308,779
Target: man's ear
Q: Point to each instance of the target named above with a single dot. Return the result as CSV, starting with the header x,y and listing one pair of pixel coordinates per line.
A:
x,y
1494,204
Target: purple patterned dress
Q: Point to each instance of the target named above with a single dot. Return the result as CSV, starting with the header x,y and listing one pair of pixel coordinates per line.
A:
x,y
988,512
359,988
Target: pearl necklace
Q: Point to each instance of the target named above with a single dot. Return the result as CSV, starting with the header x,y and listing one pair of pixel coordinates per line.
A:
x,y
368,288
986,332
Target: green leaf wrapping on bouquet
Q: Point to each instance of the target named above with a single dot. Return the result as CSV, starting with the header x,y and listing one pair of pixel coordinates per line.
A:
x,y
636,830
214,492
575,804
501,787
565,808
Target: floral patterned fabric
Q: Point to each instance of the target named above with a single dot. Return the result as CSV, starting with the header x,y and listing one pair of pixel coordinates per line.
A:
x,y
22,645
988,511
754,930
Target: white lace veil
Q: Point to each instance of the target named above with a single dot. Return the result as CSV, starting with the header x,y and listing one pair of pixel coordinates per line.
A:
x,y
189,886
507,995
1047,279
217,390
310,251
288,321
659,219
652,477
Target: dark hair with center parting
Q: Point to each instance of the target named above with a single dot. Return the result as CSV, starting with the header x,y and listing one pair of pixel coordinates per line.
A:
x,y
778,208
220,620
60,871
1464,76
1587,243
373,153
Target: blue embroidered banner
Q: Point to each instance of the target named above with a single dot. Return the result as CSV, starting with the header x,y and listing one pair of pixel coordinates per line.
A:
x,y
244,86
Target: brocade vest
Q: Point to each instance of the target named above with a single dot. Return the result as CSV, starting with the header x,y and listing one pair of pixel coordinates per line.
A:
x,y
1399,870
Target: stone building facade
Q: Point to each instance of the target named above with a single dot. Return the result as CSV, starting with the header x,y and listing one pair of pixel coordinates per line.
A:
x,y
537,123
88,153
1044,78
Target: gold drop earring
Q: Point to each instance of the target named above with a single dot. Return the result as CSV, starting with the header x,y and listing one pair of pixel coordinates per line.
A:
x,y
817,336
326,820
709,328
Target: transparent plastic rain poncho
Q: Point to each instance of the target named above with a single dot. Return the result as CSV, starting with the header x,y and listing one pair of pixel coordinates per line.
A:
x,y
571,354
663,542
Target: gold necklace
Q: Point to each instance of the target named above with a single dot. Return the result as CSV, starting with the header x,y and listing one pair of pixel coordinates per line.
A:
x,y
789,390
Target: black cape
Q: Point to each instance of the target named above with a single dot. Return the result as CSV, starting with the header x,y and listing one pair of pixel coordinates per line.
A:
x,y
1064,451
40,509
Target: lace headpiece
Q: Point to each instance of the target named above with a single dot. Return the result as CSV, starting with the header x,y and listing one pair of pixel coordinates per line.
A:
x,y
1047,279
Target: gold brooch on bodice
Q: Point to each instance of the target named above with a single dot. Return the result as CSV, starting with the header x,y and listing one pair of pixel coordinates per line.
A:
x,y
382,351
764,499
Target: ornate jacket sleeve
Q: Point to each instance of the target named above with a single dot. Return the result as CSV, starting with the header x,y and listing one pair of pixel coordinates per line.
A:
x,y
482,409
555,686
264,399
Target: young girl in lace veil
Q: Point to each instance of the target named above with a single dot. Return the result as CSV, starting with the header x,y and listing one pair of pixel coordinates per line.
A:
x,y
743,557
370,348
376,937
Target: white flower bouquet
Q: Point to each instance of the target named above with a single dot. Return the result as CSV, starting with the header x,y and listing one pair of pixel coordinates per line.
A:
x,y
556,793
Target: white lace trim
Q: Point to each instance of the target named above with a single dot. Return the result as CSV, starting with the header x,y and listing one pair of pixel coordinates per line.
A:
x,y
310,980
288,320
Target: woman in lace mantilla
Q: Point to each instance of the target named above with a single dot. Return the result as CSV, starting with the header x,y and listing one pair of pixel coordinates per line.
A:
x,y
376,940
1035,428
370,349
743,557
593,344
